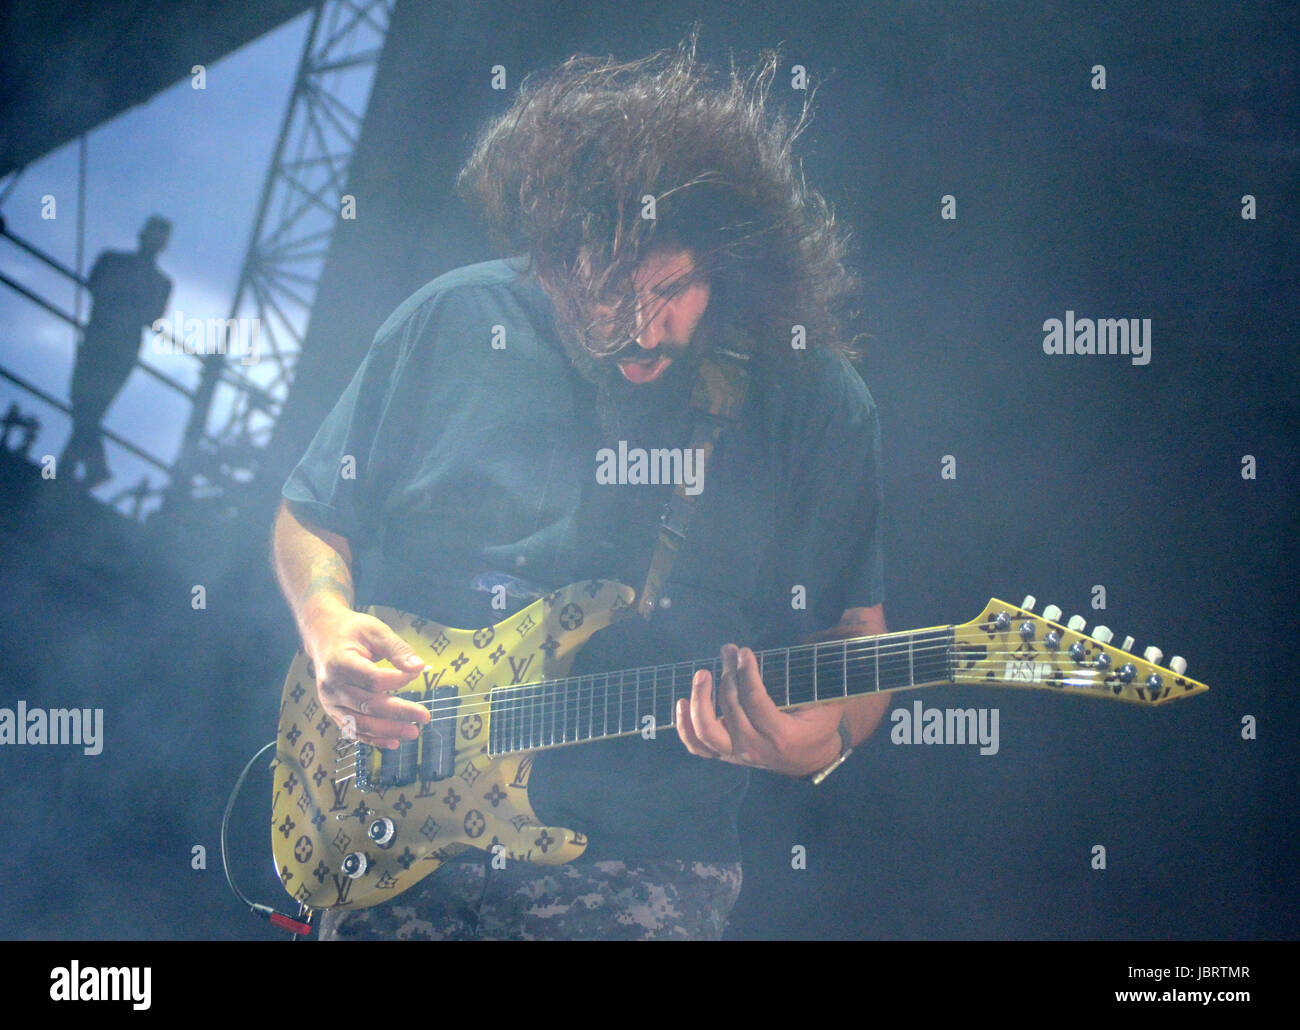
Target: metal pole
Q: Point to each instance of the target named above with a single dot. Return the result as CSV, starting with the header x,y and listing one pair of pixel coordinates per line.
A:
x,y
210,376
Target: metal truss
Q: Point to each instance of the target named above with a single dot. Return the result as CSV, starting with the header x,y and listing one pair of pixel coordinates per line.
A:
x,y
240,396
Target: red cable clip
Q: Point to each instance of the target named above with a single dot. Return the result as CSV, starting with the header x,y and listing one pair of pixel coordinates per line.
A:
x,y
288,923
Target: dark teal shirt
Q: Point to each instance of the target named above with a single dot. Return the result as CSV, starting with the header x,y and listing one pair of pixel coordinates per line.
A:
x,y
473,459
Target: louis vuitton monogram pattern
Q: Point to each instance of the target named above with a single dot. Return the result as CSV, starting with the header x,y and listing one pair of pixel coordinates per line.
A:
x,y
398,816
1010,646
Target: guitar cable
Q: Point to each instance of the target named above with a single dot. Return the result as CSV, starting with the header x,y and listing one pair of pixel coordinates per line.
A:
x,y
297,927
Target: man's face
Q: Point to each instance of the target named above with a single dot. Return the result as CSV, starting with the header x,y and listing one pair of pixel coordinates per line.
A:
x,y
670,299
643,384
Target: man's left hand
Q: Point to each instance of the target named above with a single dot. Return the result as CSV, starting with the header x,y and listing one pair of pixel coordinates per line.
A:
x,y
752,730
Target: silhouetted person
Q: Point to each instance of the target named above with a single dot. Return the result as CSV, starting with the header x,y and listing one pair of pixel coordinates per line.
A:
x,y
129,292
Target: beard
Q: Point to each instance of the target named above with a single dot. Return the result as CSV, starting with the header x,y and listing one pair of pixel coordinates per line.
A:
x,y
649,415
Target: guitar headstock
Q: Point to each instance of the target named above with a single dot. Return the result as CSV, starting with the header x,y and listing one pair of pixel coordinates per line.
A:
x,y
1008,645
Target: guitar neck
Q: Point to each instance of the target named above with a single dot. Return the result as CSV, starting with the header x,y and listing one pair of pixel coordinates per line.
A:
x,y
600,706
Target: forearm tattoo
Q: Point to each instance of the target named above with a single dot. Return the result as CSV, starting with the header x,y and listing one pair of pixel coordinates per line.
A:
x,y
332,575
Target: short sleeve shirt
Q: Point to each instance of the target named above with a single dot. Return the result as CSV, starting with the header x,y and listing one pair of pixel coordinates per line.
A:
x,y
466,444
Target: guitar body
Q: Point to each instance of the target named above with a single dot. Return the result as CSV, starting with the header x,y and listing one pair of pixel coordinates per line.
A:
x,y
353,826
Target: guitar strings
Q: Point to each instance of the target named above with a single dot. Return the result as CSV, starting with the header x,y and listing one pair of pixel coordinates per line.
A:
x,y
1084,678
545,697
545,694
526,695
799,664
551,701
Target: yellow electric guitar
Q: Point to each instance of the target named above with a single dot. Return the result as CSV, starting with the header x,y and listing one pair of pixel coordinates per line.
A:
x,y
353,826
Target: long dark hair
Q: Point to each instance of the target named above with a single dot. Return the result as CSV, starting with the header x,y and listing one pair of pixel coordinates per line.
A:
x,y
562,174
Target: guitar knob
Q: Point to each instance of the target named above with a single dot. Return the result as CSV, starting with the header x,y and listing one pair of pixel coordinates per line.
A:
x,y
1153,655
1102,635
1028,603
382,830
1052,613
354,865
1076,623
1178,664
1128,644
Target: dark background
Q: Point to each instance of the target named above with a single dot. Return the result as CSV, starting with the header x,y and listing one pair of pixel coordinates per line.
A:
x,y
1071,472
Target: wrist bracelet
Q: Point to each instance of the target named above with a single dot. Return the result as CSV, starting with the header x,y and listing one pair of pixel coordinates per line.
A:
x,y
846,749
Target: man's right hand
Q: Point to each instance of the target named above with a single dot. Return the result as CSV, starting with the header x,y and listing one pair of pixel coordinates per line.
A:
x,y
344,646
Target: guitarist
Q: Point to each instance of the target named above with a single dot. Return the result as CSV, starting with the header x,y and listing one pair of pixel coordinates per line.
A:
x,y
456,478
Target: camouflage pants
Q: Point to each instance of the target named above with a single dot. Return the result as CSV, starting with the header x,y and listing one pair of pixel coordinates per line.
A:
x,y
469,900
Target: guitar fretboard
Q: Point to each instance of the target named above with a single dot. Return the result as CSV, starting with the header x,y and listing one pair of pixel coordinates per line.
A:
x,y
573,709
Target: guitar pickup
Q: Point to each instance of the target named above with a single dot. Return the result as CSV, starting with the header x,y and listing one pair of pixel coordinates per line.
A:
x,y
398,767
438,736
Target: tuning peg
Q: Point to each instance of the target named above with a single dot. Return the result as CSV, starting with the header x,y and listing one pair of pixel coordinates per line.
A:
x,y
1052,613
1153,655
1178,664
1128,644
1076,623
1028,603
1102,635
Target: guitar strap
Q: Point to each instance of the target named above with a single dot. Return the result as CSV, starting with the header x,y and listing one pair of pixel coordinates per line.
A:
x,y
716,401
